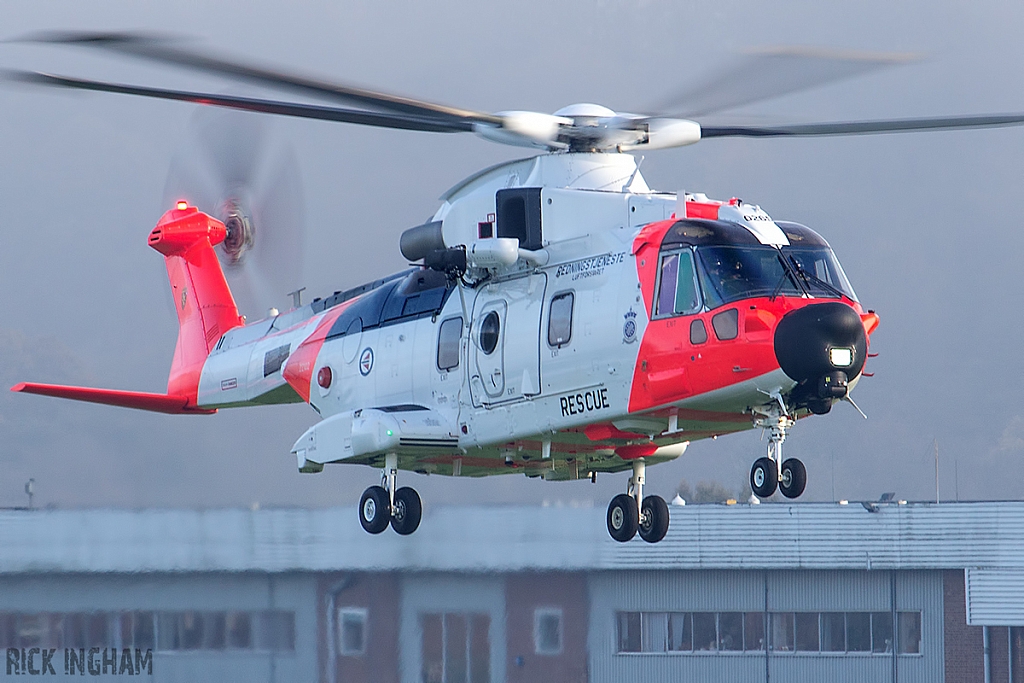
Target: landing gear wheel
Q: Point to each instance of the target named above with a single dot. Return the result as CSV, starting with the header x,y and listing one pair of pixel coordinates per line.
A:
x,y
406,513
764,477
653,519
374,509
794,478
623,518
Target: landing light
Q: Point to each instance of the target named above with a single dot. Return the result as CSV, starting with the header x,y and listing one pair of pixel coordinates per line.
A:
x,y
840,357
181,205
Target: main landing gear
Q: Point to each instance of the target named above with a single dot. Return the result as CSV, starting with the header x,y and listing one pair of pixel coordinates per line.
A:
x,y
772,472
381,505
630,512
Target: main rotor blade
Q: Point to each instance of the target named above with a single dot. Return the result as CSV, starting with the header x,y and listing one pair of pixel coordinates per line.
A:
x,y
162,50
307,111
864,127
774,72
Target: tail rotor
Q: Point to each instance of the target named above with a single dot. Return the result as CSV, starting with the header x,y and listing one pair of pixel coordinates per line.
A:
x,y
230,167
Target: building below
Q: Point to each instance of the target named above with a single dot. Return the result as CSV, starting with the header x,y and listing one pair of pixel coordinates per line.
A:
x,y
772,592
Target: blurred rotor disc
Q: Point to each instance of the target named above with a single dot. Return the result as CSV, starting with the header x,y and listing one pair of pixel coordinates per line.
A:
x,y
229,167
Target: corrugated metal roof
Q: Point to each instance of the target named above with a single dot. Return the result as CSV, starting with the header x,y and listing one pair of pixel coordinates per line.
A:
x,y
502,538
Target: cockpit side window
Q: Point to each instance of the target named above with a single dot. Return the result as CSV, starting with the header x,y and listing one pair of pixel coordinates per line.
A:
x,y
666,292
678,293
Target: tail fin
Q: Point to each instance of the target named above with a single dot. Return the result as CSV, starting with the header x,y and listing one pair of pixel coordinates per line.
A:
x,y
206,309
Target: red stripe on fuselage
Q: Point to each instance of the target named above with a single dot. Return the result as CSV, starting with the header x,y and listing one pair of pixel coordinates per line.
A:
x,y
298,370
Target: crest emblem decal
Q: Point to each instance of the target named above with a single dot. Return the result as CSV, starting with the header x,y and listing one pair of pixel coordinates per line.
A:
x,y
366,361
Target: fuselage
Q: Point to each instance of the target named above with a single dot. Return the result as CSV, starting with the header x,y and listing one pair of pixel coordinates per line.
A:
x,y
641,321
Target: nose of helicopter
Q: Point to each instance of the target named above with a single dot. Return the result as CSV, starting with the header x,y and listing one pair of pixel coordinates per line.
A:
x,y
822,344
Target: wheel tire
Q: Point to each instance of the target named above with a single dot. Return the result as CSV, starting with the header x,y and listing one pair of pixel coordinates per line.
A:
x,y
794,478
407,511
623,518
764,477
653,519
374,509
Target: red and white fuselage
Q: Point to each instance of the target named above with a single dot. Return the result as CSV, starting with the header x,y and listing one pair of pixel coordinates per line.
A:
x,y
623,324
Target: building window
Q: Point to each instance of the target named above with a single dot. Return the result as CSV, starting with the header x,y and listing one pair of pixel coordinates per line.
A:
x,y
705,637
653,631
456,648
448,338
680,632
833,632
547,631
753,632
161,631
854,633
730,631
858,632
909,632
780,629
239,630
807,632
881,632
629,631
352,631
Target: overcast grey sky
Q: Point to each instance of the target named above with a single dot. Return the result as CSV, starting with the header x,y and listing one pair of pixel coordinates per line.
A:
x,y
928,226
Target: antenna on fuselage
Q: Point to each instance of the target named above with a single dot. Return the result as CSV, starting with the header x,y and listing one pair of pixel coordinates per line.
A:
x,y
297,297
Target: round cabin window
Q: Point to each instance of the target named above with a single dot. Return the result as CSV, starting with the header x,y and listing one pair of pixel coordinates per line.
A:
x,y
489,330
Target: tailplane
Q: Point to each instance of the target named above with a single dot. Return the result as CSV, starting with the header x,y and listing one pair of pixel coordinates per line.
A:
x,y
204,304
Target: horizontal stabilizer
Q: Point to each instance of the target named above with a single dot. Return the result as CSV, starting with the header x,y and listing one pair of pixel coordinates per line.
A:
x,y
159,403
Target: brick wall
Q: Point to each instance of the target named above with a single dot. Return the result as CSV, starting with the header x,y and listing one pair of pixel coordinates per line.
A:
x,y
378,594
964,645
1000,653
524,594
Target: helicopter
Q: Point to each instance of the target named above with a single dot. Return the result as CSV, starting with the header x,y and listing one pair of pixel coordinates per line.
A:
x,y
560,317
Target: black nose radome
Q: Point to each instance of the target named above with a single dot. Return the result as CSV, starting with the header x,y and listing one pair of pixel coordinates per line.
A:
x,y
820,340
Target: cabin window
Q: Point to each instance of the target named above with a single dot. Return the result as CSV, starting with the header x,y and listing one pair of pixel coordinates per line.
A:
x,y
448,344
560,319
490,328
677,285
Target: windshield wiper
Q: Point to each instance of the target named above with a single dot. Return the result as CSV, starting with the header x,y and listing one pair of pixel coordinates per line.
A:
x,y
808,278
786,273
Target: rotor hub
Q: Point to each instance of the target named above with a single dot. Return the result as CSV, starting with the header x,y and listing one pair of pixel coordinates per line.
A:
x,y
240,233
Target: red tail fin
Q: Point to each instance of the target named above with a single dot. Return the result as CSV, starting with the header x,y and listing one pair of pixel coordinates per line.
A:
x,y
206,309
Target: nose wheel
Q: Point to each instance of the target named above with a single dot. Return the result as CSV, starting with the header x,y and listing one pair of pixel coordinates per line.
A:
x,y
771,472
631,513
383,505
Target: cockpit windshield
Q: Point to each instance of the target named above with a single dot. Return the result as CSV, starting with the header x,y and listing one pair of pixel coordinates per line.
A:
x,y
819,270
731,273
725,262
